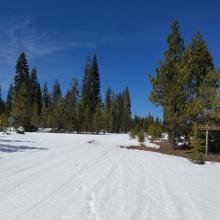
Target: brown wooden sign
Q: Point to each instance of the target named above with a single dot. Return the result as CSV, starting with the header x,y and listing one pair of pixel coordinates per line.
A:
x,y
210,127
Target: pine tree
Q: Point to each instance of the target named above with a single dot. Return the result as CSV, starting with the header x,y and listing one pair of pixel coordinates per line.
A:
x,y
21,108
90,92
167,83
57,114
56,110
212,97
95,85
106,119
9,100
107,112
117,113
3,114
197,77
2,106
36,107
78,126
70,107
45,96
97,120
86,97
141,137
45,106
126,110
33,85
22,71
35,118
155,130
56,93
197,150
38,99
109,98
35,98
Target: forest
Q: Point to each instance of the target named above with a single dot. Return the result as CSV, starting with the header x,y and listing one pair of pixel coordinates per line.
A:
x,y
81,109
185,85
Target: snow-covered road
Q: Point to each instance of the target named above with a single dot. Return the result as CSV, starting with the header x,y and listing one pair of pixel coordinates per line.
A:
x,y
62,176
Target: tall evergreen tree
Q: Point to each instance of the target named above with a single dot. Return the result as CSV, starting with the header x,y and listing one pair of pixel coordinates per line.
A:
x,y
21,93
95,85
21,108
33,85
70,107
35,98
45,106
3,115
109,98
126,110
56,93
86,97
107,119
108,111
56,111
97,120
22,71
38,98
57,114
167,82
45,96
197,76
90,92
1,102
9,100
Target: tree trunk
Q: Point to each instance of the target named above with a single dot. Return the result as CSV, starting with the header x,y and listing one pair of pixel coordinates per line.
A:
x,y
174,136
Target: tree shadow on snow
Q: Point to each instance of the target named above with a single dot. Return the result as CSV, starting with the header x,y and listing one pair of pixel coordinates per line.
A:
x,y
15,141
11,149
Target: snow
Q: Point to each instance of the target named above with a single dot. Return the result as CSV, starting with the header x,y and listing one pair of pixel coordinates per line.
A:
x,y
68,176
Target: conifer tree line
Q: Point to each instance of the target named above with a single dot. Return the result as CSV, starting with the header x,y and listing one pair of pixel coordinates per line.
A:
x,y
81,109
151,126
186,85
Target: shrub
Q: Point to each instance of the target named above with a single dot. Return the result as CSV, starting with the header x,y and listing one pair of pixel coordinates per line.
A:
x,y
196,153
141,137
133,133
155,131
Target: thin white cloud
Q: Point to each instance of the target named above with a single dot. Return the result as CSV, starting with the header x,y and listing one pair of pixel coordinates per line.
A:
x,y
23,36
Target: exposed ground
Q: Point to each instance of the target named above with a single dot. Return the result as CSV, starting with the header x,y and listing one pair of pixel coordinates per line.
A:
x,y
166,148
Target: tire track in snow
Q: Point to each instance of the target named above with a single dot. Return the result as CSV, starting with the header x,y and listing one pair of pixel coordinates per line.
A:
x,y
43,168
23,180
64,185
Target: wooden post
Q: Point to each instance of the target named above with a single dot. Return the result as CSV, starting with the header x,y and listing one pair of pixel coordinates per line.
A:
x,y
207,141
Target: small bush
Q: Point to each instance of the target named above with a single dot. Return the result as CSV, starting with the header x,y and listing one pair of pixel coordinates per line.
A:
x,y
196,153
155,131
141,137
133,133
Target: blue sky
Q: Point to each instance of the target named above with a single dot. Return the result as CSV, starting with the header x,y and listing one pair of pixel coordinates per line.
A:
x,y
129,38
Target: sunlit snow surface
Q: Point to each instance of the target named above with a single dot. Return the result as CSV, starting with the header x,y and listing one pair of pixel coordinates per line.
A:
x,y
63,176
